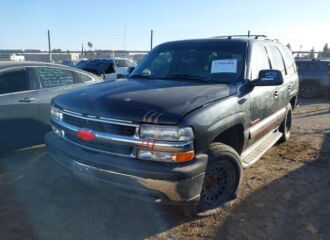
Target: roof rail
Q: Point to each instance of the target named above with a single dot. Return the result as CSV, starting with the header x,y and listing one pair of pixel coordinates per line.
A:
x,y
240,36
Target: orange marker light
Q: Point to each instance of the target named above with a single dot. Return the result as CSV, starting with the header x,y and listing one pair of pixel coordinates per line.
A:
x,y
185,157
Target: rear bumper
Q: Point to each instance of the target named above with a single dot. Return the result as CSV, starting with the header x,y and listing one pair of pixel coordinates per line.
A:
x,y
158,182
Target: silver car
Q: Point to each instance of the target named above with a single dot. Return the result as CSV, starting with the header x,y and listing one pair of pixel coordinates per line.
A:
x,y
26,89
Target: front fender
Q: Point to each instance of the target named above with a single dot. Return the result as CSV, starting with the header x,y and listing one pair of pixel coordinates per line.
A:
x,y
211,120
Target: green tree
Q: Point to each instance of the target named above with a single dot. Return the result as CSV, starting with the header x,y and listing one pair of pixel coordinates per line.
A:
x,y
325,52
90,45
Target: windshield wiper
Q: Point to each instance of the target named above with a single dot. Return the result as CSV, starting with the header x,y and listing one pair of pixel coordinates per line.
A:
x,y
187,77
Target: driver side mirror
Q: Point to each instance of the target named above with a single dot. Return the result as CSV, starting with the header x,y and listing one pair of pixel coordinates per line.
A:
x,y
268,78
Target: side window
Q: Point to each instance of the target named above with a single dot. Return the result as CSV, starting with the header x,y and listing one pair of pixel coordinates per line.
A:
x,y
14,81
277,60
289,61
260,61
55,77
81,78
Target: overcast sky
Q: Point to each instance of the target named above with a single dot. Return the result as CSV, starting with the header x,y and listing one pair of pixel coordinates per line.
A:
x,y
126,24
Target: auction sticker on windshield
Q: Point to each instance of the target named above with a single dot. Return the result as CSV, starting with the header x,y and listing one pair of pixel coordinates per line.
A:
x,y
224,66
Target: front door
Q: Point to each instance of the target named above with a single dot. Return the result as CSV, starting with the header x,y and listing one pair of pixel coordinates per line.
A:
x,y
19,113
263,99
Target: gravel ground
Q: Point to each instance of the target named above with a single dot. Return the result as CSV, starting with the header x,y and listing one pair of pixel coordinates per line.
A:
x,y
285,195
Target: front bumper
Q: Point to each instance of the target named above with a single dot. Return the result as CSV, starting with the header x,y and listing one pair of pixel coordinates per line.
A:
x,y
155,181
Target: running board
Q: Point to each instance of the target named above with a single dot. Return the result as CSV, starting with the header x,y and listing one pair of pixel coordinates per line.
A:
x,y
258,149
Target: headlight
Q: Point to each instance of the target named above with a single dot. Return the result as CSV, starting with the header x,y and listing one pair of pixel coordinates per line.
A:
x,y
55,114
166,133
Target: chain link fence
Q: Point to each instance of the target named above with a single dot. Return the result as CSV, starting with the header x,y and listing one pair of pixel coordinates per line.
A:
x,y
314,78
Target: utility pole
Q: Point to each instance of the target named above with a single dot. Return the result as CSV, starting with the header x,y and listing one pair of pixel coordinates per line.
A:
x,y
49,48
151,38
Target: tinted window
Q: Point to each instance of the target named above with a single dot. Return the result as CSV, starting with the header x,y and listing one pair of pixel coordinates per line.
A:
x,y
55,77
277,60
210,61
14,81
83,77
260,61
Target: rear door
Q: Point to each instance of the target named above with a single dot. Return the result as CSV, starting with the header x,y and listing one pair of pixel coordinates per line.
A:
x,y
19,113
281,92
291,80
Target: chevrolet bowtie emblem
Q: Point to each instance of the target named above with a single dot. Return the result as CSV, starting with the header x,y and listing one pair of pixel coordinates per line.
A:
x,y
86,135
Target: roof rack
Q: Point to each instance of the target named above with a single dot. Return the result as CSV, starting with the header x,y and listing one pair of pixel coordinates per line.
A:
x,y
240,36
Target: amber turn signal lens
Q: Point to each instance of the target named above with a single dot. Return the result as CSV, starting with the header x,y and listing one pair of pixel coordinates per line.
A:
x,y
185,157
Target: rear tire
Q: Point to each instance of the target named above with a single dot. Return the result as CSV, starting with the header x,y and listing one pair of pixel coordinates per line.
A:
x,y
286,125
221,182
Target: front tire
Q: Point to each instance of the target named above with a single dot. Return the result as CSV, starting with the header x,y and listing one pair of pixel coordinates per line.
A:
x,y
222,178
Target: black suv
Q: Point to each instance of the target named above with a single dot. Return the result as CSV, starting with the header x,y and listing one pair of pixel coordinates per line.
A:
x,y
185,123
314,76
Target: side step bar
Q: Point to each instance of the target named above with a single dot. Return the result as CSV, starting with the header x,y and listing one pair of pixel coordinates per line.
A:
x,y
258,149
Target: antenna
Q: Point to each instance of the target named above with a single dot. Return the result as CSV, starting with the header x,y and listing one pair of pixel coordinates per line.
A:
x,y
249,34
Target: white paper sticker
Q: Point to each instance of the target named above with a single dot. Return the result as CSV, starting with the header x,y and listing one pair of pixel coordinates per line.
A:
x,y
224,66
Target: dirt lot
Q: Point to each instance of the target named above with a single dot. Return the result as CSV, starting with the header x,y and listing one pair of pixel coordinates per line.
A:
x,y
286,195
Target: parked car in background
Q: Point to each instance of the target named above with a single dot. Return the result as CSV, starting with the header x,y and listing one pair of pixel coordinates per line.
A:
x,y
183,125
81,63
314,76
68,63
108,68
26,89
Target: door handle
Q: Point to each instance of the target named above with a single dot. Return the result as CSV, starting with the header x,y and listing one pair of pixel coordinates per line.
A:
x,y
276,94
27,99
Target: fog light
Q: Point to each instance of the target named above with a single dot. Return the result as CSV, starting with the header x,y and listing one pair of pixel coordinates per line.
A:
x,y
165,156
57,131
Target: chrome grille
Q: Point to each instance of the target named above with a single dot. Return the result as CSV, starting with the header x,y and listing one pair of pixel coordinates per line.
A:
x,y
99,126
102,146
72,122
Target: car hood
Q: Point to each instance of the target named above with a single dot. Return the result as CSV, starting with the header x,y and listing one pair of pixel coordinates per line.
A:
x,y
156,101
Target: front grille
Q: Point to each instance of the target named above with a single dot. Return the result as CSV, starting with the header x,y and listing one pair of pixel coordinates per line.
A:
x,y
99,126
97,145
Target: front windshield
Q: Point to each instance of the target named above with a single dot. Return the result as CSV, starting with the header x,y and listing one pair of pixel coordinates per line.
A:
x,y
210,61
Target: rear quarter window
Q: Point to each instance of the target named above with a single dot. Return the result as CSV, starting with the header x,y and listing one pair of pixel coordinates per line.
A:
x,y
289,61
276,59
83,77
